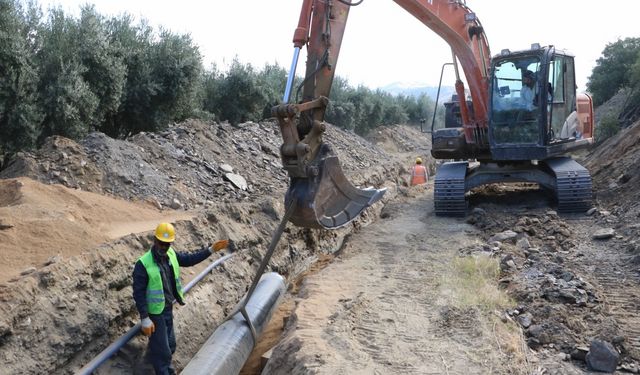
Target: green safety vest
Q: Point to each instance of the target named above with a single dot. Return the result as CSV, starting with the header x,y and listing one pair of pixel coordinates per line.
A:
x,y
155,292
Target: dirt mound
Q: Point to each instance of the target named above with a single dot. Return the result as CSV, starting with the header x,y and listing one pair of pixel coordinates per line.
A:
x,y
616,176
40,221
569,287
612,107
190,165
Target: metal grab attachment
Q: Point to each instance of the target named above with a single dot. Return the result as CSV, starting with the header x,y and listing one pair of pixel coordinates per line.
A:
x,y
325,198
241,307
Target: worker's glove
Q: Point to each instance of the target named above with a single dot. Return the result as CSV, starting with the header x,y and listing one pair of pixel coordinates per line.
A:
x,y
219,245
147,326
232,246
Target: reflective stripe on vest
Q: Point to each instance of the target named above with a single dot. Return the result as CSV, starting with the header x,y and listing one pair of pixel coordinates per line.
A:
x,y
418,175
155,291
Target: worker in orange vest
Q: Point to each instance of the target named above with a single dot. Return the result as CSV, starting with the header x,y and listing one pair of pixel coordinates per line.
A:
x,y
418,173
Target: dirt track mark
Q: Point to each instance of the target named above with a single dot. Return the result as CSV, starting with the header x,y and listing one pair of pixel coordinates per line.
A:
x,y
382,307
618,280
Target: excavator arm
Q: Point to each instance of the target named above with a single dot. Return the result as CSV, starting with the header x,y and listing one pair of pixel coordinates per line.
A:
x,y
320,193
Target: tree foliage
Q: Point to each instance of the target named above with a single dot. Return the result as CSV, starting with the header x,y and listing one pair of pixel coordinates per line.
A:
x,y
19,112
612,71
65,75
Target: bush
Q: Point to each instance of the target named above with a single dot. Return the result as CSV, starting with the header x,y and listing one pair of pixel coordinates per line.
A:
x,y
608,127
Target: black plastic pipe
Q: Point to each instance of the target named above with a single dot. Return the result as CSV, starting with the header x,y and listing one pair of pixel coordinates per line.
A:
x,y
228,348
122,340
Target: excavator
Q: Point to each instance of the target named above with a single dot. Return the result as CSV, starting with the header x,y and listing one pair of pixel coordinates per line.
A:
x,y
521,118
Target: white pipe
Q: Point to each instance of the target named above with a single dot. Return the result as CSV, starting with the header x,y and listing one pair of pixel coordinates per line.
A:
x,y
229,347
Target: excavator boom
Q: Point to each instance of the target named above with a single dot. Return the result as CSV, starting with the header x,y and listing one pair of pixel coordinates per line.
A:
x,y
505,137
324,197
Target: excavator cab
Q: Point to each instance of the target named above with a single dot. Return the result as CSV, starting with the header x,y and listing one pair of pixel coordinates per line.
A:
x,y
534,112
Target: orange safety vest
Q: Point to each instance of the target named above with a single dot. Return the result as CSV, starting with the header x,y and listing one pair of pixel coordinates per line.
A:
x,y
418,175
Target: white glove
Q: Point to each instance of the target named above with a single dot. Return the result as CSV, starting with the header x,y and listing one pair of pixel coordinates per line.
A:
x,y
147,326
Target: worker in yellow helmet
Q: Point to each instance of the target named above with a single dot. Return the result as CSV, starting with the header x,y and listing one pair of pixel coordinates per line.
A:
x,y
419,173
157,286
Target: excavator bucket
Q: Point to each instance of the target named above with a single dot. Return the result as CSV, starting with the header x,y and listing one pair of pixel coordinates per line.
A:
x,y
327,199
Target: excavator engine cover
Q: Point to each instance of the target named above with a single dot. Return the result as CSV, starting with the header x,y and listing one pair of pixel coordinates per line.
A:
x,y
326,199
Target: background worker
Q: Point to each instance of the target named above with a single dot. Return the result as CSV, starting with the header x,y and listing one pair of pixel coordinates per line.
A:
x,y
418,173
156,287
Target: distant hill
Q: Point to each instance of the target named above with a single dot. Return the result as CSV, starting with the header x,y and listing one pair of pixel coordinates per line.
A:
x,y
416,89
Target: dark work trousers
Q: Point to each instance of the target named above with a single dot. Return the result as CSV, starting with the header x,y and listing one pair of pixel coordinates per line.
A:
x,y
162,343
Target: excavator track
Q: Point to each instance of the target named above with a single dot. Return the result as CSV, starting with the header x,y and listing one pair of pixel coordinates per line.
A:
x,y
449,189
573,185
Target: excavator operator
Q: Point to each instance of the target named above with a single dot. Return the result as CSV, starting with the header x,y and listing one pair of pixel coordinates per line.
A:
x,y
156,287
527,93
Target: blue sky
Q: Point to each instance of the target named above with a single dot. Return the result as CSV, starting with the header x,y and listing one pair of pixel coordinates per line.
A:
x,y
383,43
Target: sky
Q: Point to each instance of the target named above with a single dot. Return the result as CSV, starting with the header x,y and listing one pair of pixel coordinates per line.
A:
x,y
383,44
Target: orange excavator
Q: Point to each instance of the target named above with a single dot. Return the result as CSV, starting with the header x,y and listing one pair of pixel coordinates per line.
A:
x,y
521,118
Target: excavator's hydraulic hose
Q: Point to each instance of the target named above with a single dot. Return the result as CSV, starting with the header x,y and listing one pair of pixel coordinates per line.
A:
x,y
350,3
241,307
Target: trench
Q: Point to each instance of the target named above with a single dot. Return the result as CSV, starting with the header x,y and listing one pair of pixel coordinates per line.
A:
x,y
275,328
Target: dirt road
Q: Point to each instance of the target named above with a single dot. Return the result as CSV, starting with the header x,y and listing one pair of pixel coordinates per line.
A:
x,y
390,304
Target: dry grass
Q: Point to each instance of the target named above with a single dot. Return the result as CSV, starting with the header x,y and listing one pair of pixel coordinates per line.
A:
x,y
473,281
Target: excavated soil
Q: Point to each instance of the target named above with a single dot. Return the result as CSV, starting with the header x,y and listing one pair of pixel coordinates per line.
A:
x,y
372,297
42,223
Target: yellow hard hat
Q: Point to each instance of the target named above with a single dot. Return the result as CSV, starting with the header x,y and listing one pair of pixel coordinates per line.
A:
x,y
418,160
165,232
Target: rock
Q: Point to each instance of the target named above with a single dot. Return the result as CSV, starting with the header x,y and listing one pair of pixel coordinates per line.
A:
x,y
525,320
5,226
237,180
624,178
580,353
478,211
503,236
273,208
156,203
175,204
5,332
602,356
591,211
604,233
630,367
52,260
226,168
28,271
523,243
